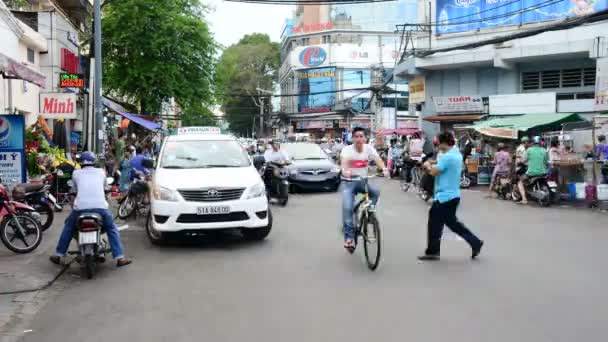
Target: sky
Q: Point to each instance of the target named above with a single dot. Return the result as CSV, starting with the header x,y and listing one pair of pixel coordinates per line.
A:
x,y
229,21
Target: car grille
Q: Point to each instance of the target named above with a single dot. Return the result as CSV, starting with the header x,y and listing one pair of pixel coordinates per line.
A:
x,y
211,194
314,172
230,217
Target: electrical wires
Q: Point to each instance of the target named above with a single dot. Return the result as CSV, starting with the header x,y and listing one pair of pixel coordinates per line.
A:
x,y
308,2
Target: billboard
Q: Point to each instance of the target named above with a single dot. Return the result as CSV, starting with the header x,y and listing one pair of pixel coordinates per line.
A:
x,y
357,79
317,89
458,104
12,150
601,85
469,15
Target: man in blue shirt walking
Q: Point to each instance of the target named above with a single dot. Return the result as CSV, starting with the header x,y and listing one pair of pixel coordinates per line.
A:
x,y
447,175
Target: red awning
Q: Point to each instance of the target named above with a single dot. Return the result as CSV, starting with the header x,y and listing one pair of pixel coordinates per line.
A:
x,y
402,131
454,118
10,68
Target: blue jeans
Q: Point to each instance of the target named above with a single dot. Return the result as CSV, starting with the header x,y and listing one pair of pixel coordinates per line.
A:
x,y
349,190
108,226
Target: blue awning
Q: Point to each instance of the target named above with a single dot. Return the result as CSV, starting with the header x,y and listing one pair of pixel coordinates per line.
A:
x,y
138,119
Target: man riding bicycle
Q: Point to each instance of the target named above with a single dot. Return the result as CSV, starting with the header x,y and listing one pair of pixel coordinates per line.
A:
x,y
355,159
90,183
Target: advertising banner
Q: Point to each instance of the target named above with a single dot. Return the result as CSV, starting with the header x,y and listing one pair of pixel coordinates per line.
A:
x,y
469,15
458,104
58,105
601,84
356,79
12,150
317,90
417,90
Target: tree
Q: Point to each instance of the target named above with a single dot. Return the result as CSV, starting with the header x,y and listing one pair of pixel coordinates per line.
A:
x,y
17,4
244,67
157,50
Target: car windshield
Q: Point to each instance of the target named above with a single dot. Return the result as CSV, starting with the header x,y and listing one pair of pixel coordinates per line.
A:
x,y
198,154
305,151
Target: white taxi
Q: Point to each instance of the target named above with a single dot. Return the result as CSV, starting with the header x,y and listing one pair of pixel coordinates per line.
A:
x,y
205,180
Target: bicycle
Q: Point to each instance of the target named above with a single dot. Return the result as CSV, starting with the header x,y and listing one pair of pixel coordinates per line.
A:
x,y
364,215
416,177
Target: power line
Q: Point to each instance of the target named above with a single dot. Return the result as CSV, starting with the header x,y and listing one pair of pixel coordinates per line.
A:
x,y
308,2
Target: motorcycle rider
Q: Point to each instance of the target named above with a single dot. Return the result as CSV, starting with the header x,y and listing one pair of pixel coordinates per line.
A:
x,y
537,160
90,182
273,155
502,166
395,153
354,160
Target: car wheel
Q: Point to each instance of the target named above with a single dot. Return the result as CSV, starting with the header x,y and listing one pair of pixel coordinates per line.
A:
x,y
258,234
155,237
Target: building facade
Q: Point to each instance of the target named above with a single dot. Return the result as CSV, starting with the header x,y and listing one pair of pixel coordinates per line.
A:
x,y
486,57
331,55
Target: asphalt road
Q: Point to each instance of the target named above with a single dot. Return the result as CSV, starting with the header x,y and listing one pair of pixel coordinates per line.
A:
x,y
541,277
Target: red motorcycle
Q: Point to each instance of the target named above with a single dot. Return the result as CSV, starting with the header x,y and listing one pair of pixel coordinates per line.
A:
x,y
20,231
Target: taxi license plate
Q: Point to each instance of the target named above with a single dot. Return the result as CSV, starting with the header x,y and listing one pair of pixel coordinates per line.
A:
x,y
87,237
552,184
212,210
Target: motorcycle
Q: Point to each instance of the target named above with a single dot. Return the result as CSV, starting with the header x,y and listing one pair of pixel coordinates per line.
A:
x,y
537,188
133,201
279,185
38,196
503,185
396,167
18,222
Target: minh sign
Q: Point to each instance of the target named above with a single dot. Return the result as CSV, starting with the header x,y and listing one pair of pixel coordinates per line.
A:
x,y
58,105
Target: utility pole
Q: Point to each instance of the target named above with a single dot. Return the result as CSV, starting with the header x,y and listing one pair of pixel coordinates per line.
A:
x,y
261,116
99,129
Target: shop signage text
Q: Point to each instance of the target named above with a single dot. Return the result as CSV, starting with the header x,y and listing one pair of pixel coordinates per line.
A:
x,y
458,104
312,27
67,80
58,105
601,84
312,56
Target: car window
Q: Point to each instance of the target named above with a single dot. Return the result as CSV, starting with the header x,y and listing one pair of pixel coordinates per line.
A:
x,y
305,151
197,154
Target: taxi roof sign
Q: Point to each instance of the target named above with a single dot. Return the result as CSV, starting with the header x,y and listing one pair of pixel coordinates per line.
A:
x,y
198,130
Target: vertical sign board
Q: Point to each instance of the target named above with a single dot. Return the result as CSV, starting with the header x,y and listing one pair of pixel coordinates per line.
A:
x,y
601,85
12,150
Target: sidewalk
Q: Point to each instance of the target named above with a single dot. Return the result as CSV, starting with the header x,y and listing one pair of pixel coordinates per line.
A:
x,y
26,272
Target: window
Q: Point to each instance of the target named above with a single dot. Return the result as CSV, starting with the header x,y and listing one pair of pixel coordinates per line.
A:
x,y
577,96
326,39
552,79
305,41
31,56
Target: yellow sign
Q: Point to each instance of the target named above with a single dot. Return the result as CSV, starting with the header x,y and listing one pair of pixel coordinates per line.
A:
x,y
417,90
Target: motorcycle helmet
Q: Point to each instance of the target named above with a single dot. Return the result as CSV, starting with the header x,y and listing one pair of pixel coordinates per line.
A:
x,y
536,140
88,159
524,139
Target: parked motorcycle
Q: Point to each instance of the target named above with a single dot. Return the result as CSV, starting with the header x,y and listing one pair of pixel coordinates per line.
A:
x,y
537,188
20,229
38,196
278,175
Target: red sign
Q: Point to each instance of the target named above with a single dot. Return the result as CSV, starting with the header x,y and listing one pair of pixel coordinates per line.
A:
x,y
67,80
312,27
69,61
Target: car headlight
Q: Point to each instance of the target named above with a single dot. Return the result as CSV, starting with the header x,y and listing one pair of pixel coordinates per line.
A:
x,y
256,191
335,169
165,194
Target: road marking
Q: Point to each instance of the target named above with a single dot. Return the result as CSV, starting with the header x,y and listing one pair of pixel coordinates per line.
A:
x,y
123,227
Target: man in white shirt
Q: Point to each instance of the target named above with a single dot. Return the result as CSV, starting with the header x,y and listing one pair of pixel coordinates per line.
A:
x,y
274,154
355,161
90,185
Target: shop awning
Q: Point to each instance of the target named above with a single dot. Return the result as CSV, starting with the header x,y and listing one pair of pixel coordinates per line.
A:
x,y
11,68
509,127
142,120
454,118
401,131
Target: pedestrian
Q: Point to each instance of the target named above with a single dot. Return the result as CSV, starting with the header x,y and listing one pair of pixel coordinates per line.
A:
x,y
502,166
447,174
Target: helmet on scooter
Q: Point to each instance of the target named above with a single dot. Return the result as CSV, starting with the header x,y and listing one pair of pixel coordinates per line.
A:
x,y
536,140
88,159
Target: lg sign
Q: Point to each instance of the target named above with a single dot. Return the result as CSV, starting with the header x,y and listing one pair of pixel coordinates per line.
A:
x,y
312,56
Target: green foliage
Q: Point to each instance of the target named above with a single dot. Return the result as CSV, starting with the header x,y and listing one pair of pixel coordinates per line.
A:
x,y
17,4
156,50
251,63
197,116
33,168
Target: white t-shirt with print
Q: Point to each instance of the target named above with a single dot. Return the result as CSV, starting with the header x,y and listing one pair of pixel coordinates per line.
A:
x,y
358,162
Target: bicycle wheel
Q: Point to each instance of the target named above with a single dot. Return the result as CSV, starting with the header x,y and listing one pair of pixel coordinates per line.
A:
x,y
20,233
370,229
